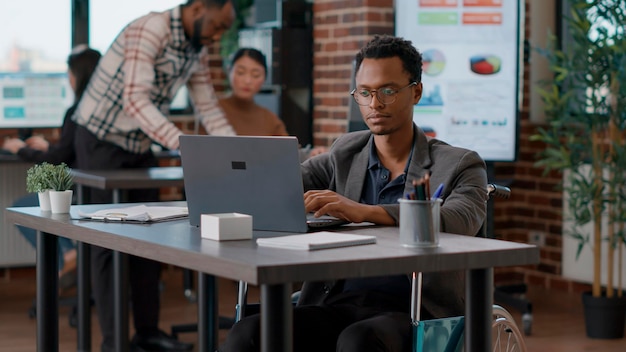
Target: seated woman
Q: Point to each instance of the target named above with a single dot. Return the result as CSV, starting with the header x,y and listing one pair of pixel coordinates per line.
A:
x,y
246,75
81,63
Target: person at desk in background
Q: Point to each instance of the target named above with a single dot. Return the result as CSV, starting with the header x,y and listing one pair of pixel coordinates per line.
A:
x,y
246,74
360,180
81,63
123,112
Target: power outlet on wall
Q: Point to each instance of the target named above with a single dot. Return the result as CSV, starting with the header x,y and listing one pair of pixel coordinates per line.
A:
x,y
537,238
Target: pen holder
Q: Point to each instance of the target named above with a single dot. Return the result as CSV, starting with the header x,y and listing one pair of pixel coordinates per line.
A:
x,y
419,222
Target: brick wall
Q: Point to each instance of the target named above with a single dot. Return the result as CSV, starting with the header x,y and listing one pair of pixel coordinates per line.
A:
x,y
340,28
343,26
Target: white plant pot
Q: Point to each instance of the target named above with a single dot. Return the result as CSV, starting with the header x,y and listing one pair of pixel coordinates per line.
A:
x,y
60,201
44,200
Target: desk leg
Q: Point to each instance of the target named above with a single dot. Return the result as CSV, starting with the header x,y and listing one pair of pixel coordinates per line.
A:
x,y
83,333
47,292
80,194
207,313
478,308
84,297
120,287
276,318
117,196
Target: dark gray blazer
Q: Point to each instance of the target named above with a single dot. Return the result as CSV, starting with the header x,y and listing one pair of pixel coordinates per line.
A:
x,y
343,170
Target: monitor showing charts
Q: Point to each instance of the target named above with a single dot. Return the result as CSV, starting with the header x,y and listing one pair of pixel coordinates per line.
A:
x,y
29,99
40,100
471,71
181,103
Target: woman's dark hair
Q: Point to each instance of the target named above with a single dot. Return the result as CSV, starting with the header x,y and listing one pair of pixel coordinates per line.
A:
x,y
252,53
386,46
209,3
82,62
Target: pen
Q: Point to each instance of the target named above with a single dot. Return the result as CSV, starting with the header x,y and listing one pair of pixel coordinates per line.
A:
x,y
438,192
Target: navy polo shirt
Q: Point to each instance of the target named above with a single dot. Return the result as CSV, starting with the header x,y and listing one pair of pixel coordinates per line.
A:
x,y
379,189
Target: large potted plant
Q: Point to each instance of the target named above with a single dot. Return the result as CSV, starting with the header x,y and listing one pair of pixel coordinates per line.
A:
x,y
585,106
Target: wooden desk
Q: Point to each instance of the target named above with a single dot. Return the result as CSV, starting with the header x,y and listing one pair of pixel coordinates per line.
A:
x,y
116,181
275,270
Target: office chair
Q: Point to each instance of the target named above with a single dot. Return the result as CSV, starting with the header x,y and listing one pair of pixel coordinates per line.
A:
x,y
223,322
64,301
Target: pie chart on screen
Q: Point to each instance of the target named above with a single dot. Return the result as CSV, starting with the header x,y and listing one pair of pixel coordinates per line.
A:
x,y
433,62
485,64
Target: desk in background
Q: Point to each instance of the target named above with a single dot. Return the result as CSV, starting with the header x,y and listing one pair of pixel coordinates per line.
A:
x,y
14,249
123,179
275,270
117,181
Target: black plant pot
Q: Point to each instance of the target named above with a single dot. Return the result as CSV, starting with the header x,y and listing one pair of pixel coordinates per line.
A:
x,y
604,317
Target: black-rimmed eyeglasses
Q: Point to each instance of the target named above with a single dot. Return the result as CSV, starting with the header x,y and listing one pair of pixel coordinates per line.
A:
x,y
385,95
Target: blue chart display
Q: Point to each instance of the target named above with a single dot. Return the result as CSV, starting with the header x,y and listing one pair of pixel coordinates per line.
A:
x,y
434,62
34,99
470,52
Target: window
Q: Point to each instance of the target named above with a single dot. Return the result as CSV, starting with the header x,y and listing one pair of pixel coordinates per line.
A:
x,y
108,17
34,90
106,21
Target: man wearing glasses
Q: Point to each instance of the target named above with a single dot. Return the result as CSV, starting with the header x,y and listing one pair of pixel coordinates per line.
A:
x,y
360,180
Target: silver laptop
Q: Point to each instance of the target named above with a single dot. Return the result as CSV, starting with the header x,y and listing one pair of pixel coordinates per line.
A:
x,y
259,176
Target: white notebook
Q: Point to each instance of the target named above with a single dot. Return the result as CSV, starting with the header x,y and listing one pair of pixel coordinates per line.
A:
x,y
316,240
138,213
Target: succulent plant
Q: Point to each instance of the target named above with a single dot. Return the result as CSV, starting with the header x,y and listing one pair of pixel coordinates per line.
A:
x,y
45,176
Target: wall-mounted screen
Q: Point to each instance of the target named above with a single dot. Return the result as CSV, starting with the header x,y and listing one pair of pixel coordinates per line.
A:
x,y
33,99
471,73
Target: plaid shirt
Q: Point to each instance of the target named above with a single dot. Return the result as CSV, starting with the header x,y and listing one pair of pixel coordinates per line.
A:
x,y
127,100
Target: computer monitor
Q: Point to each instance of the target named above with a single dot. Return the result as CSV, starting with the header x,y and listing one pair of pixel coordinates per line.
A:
x,y
181,105
30,100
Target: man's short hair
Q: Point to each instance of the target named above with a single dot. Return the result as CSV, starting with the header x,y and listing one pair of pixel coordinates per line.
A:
x,y
386,46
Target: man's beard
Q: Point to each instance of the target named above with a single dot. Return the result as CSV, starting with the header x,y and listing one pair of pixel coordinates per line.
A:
x,y
196,37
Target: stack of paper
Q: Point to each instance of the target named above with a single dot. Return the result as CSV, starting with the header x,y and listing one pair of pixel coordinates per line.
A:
x,y
138,213
316,240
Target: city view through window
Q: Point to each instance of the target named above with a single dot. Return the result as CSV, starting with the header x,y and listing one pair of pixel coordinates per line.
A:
x,y
34,89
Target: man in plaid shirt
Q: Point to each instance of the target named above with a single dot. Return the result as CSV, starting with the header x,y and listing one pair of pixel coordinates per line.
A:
x,y
123,111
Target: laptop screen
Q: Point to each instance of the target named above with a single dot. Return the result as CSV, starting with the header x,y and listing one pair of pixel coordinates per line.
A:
x,y
258,176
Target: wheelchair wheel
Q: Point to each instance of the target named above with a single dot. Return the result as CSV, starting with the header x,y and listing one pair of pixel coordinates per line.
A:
x,y
506,335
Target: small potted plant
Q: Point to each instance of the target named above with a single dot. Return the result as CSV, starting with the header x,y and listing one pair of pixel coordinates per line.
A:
x,y
61,182
38,181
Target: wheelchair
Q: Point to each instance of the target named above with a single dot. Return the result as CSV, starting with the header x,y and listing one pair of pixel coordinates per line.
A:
x,y
448,334
506,336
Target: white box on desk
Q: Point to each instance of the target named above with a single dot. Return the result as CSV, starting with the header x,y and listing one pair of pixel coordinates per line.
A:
x,y
226,226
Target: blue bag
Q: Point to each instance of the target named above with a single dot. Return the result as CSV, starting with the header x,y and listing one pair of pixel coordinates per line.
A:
x,y
434,335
